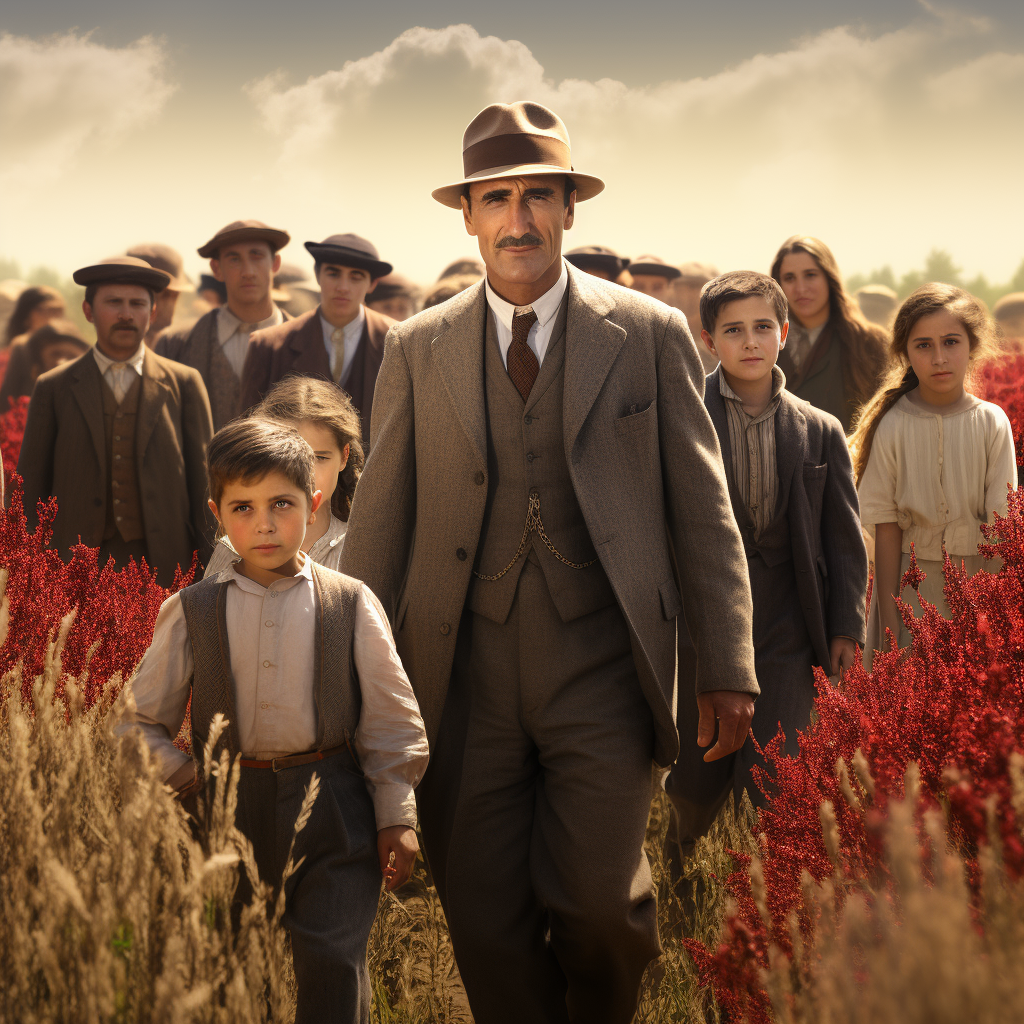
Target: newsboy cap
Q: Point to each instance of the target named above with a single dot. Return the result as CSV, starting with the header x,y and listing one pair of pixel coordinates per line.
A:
x,y
245,231
515,140
599,257
654,266
164,258
350,251
123,270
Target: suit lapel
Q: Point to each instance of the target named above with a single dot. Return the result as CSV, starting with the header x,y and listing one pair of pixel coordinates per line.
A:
x,y
458,353
307,342
374,334
592,344
789,445
87,385
154,394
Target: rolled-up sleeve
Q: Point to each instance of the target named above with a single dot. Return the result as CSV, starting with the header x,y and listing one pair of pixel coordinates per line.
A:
x,y
390,740
161,687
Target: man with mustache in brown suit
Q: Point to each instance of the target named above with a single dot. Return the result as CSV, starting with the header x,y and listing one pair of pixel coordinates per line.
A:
x,y
544,495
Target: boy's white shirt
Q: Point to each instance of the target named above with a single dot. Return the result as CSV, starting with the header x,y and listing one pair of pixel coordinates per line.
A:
x,y
270,635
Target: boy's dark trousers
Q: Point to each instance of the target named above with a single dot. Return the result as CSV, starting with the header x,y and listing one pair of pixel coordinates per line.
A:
x,y
331,899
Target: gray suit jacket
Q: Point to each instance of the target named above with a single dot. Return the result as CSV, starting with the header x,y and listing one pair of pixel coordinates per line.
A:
x,y
644,461
64,454
818,494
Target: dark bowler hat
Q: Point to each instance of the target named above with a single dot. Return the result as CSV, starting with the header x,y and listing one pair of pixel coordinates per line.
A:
x,y
245,231
350,251
655,267
513,140
123,270
599,257
164,258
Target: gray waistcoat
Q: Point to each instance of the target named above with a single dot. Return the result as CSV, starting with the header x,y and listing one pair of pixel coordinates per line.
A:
x,y
337,695
526,454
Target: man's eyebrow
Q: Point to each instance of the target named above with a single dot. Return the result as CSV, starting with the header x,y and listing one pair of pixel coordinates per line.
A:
x,y
540,190
497,193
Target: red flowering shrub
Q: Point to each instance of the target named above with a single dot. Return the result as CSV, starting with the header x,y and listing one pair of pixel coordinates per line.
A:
x,y
114,609
1001,380
12,431
953,704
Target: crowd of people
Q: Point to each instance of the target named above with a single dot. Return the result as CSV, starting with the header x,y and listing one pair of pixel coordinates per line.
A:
x,y
556,520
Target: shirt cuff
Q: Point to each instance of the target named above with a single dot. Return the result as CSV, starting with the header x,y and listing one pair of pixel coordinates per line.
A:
x,y
393,804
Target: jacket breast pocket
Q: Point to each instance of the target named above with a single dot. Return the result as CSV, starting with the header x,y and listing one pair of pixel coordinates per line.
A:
x,y
636,423
814,482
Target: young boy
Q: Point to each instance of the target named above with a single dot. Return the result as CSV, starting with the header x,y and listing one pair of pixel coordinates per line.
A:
x,y
793,493
301,661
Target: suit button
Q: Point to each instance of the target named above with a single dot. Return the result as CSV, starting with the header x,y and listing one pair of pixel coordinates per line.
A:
x,y
445,629
117,437
479,478
527,419
529,457
461,554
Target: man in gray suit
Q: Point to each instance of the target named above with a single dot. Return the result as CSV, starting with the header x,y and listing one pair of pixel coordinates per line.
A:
x,y
544,496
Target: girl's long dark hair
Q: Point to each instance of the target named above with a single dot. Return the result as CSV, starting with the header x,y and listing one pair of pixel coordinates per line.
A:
x,y
307,399
900,377
862,344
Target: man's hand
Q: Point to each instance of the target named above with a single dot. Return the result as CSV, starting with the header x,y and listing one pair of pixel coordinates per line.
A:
x,y
397,847
843,652
734,710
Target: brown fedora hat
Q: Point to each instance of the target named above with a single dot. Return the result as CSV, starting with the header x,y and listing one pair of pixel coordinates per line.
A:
x,y
513,140
164,258
245,231
123,270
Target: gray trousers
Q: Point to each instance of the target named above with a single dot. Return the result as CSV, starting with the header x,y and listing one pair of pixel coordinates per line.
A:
x,y
534,810
331,900
784,664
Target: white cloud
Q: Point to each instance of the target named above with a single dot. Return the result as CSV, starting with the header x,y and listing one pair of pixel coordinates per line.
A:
x,y
59,95
845,135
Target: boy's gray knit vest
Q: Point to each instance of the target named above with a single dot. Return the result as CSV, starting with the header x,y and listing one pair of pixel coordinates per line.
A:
x,y
526,455
336,685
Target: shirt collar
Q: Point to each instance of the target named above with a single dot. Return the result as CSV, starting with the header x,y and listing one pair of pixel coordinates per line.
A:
x,y
778,384
232,575
228,324
352,330
134,361
545,307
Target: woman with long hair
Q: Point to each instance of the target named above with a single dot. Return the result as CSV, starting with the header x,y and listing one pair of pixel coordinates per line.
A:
x,y
834,358
36,306
932,462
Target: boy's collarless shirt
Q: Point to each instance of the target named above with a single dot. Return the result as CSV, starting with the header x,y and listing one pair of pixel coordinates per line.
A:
x,y
271,640
752,440
546,308
119,375
233,335
342,341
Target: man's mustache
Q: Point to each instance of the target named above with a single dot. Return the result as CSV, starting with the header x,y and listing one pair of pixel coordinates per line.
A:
x,y
509,241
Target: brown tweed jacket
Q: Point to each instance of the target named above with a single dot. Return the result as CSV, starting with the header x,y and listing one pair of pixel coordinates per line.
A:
x,y
297,347
64,454
644,460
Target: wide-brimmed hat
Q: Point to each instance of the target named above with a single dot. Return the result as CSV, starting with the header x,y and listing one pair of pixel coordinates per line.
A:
x,y
599,257
245,231
350,251
515,140
655,266
123,270
164,258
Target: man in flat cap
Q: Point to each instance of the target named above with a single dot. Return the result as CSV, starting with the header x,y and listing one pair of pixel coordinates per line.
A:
x,y
341,340
654,277
119,435
244,256
544,495
395,296
169,260
598,260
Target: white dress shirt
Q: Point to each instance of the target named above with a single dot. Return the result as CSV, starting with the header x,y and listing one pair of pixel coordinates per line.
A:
x,y
350,333
118,375
233,335
546,307
271,640
326,551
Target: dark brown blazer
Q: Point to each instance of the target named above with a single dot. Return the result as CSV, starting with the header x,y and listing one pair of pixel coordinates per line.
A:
x,y
818,494
64,454
297,347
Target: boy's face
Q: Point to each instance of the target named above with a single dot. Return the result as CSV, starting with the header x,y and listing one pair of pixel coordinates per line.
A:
x,y
747,338
247,270
266,522
342,291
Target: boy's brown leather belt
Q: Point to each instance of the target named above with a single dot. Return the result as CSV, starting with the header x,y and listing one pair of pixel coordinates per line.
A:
x,y
294,760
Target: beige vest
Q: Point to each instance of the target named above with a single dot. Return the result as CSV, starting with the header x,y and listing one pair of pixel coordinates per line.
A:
x,y
124,504
526,456
222,385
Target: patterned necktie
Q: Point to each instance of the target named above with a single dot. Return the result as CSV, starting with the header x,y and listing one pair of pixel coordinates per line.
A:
x,y
338,341
522,363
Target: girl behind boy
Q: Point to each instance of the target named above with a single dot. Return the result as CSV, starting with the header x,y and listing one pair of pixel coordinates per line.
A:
x,y
932,461
328,422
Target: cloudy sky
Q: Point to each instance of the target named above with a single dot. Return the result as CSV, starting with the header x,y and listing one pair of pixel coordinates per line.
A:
x,y
886,127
